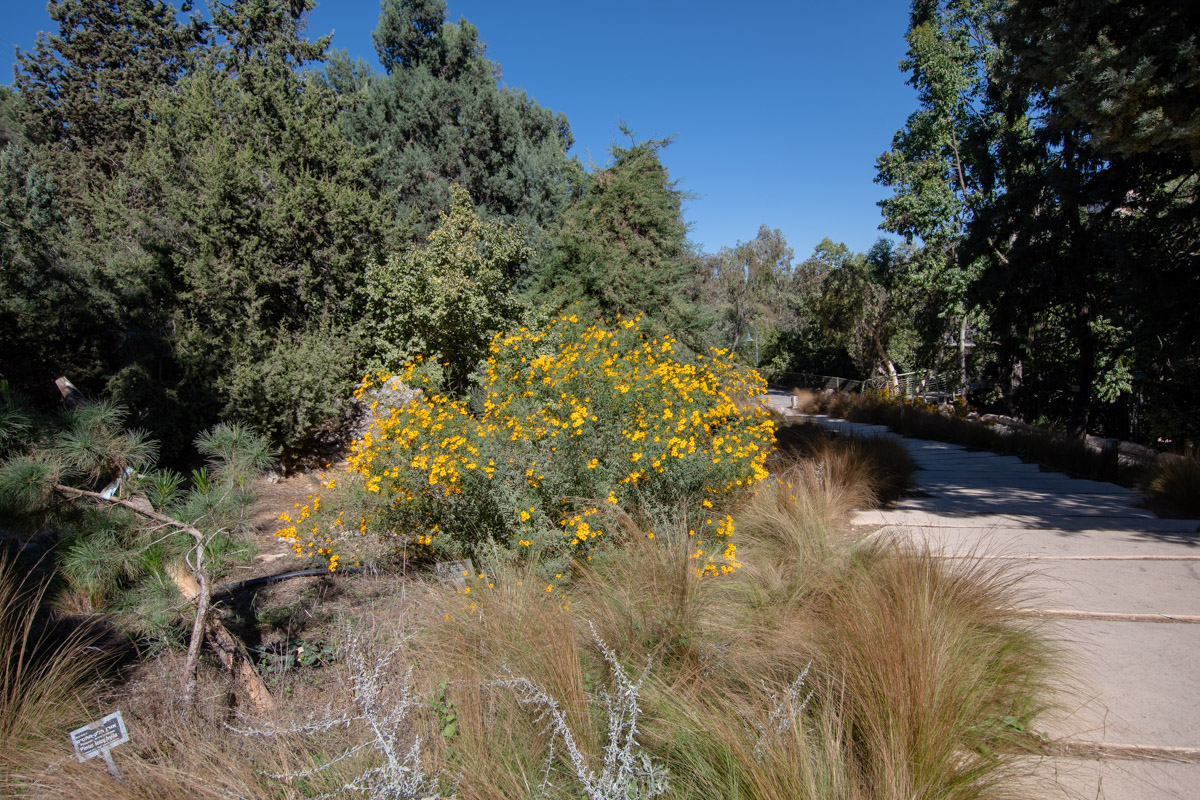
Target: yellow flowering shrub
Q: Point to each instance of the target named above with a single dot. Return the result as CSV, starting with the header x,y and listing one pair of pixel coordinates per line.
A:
x,y
958,407
573,424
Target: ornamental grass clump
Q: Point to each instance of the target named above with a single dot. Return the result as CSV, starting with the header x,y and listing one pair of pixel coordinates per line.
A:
x,y
573,426
1175,482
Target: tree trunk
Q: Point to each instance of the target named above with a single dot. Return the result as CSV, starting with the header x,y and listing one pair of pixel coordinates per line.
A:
x,y
962,356
1085,373
199,625
249,689
196,587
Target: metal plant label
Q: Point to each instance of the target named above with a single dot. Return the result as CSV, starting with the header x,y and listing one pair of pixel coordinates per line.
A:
x,y
99,738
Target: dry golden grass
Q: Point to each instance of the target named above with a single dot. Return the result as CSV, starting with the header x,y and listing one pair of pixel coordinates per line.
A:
x,y
938,671
919,671
877,468
45,671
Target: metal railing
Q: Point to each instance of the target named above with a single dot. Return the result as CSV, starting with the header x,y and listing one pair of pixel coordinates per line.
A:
x,y
928,385
810,380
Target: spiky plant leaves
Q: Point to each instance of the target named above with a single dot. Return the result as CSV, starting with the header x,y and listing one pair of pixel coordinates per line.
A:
x,y
94,567
25,482
236,451
161,487
16,423
95,448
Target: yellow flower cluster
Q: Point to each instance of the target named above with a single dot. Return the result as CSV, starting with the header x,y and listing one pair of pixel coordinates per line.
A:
x,y
958,408
571,418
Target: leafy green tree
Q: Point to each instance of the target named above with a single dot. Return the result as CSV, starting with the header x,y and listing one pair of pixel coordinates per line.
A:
x,y
443,300
863,306
1098,215
622,249
747,285
439,118
943,164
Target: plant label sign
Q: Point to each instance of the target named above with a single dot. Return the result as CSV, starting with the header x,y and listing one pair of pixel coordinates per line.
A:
x,y
99,738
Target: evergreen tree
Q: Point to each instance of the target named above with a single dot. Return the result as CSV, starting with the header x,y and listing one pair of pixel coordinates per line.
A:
x,y
439,118
1101,214
83,101
87,89
255,213
622,249
51,316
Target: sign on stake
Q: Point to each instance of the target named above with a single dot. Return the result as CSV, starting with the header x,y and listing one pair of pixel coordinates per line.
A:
x,y
99,738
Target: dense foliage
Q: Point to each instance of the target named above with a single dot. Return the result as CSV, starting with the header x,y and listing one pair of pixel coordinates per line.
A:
x,y
209,216
622,249
1051,173
578,427
439,119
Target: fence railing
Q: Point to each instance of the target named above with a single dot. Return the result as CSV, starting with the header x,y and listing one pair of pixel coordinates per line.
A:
x,y
929,385
918,384
810,380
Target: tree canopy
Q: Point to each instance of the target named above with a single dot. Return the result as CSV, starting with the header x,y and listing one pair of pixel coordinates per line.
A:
x,y
622,249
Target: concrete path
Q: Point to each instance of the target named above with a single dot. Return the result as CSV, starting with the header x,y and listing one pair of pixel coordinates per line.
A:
x,y
1119,587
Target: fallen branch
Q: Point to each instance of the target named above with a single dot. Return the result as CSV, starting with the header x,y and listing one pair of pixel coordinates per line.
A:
x,y
249,687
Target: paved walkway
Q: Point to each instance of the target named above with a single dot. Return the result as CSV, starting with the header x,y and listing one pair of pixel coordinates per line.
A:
x,y
1121,588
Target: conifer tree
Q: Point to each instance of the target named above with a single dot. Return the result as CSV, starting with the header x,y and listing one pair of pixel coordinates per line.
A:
x,y
622,249
255,213
87,88
440,118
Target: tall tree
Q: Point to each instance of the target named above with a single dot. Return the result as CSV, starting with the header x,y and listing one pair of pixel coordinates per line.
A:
x,y
622,249
747,286
87,89
943,165
82,103
250,218
408,29
1101,217
440,118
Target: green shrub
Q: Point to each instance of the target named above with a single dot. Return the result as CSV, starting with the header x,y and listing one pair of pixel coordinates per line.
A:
x,y
577,425
300,386
445,299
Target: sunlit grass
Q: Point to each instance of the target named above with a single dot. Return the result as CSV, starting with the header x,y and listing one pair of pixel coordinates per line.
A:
x,y
827,666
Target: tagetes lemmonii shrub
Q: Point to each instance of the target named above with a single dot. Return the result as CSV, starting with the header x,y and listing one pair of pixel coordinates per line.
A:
x,y
572,419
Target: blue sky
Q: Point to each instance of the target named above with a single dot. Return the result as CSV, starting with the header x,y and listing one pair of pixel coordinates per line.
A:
x,y
778,109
